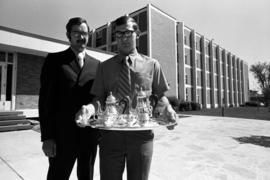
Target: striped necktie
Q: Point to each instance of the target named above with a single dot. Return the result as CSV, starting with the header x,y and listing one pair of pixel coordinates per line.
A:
x,y
124,88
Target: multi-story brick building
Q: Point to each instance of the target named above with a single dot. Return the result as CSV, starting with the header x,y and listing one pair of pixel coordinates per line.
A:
x,y
197,68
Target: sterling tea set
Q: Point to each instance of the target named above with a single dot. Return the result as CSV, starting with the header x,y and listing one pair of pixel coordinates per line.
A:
x,y
121,114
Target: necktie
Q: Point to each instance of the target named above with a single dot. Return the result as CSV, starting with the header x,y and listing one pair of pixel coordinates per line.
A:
x,y
80,60
124,88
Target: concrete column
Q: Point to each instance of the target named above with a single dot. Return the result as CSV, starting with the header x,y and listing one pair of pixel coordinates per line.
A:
x,y
219,76
109,37
224,56
230,84
235,81
204,90
212,76
193,67
94,38
181,61
242,81
239,82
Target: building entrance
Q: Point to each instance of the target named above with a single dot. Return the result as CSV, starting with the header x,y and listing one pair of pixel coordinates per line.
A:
x,y
6,81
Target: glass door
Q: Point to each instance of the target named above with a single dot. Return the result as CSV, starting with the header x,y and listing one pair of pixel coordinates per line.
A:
x,y
6,72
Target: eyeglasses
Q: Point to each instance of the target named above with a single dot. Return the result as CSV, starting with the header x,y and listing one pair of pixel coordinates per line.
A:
x,y
120,34
78,34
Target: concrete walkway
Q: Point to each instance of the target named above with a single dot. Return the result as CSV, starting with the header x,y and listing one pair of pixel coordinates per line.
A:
x,y
200,148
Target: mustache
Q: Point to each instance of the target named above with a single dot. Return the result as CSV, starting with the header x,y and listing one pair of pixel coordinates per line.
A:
x,y
81,41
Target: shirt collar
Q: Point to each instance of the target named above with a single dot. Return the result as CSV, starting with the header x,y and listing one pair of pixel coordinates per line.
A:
x,y
133,57
77,53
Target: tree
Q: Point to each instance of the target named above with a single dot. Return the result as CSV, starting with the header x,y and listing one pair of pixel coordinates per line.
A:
x,y
261,72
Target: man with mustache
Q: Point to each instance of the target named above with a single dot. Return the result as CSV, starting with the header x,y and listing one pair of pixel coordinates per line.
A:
x,y
131,149
66,80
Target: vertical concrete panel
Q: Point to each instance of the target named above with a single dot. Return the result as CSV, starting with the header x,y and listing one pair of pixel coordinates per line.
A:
x,y
163,40
193,67
181,61
212,81
204,89
220,101
224,55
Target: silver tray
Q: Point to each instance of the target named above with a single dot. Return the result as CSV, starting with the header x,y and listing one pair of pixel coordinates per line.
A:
x,y
153,124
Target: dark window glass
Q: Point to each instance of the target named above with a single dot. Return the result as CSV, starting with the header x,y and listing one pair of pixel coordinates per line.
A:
x,y
9,82
2,56
101,37
1,82
143,44
143,21
10,57
113,31
114,48
90,41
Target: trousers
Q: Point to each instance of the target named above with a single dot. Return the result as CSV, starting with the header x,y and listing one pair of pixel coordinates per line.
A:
x,y
133,149
68,150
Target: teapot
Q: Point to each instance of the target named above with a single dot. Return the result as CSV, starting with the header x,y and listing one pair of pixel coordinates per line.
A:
x,y
145,106
110,114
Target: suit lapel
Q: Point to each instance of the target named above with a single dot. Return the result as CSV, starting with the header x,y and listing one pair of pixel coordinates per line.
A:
x,y
73,62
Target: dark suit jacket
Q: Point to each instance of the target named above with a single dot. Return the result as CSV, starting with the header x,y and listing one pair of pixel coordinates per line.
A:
x,y
65,87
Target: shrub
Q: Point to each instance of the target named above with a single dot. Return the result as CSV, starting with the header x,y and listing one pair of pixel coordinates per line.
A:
x,y
185,106
195,106
174,102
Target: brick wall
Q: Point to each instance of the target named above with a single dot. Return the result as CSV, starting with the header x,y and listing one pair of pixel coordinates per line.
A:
x,y
28,73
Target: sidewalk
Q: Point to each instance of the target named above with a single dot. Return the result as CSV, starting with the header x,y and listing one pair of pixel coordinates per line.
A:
x,y
200,148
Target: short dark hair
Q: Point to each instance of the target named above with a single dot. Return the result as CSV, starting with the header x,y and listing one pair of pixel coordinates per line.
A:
x,y
125,19
75,21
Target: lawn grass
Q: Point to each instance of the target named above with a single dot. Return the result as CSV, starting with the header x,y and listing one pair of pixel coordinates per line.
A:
x,y
237,112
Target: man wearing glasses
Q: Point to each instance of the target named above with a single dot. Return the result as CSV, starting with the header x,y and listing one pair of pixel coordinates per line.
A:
x,y
66,80
132,149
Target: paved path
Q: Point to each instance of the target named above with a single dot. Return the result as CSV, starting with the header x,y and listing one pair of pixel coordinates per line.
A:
x,y
200,148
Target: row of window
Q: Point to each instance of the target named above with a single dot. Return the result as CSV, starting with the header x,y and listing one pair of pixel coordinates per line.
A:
x,y
231,97
189,76
101,34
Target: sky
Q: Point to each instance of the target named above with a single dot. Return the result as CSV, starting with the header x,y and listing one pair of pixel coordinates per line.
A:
x,y
240,26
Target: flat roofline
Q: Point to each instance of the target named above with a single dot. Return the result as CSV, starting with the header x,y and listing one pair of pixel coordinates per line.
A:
x,y
16,31
36,36
163,11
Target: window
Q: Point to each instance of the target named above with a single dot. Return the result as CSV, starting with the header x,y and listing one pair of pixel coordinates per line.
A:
x,y
216,97
199,78
143,44
208,64
188,76
188,57
89,44
217,53
215,66
198,61
208,80
214,52
114,48
216,81
113,31
188,94
187,36
143,21
198,43
199,96
101,37
207,49
2,56
208,93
